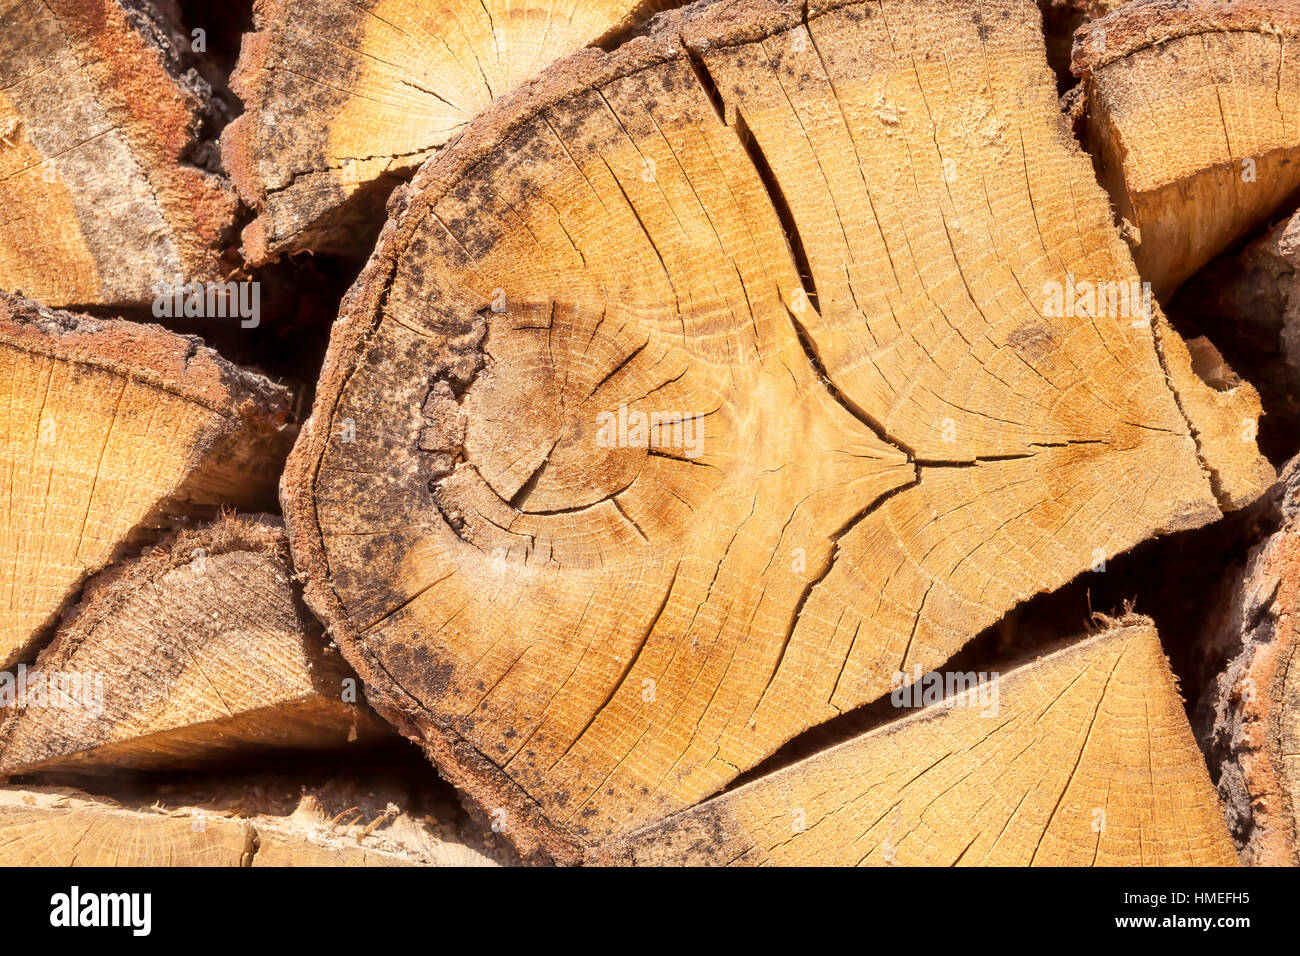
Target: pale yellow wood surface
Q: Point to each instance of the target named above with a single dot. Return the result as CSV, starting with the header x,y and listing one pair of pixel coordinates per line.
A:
x,y
48,826
1080,758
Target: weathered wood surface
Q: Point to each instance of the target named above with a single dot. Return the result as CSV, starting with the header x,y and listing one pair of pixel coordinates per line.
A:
x,y
1250,716
899,436
110,181
198,651
114,430
1082,757
343,100
1193,114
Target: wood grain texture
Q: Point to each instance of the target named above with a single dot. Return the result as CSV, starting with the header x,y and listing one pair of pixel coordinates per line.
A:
x,y
1193,113
343,100
112,431
899,440
52,826
1082,757
109,180
61,828
198,651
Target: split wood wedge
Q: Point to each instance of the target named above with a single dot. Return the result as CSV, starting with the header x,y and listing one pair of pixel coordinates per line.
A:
x,y
344,100
610,488
109,181
197,651
1080,758
1250,715
1193,113
111,431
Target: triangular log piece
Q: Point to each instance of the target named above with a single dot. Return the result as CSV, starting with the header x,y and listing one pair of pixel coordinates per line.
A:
x,y
198,651
343,100
110,180
1193,113
610,490
1081,758
112,430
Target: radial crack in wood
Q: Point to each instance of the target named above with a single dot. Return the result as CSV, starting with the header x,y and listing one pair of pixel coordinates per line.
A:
x,y
111,431
108,181
869,440
200,650
1081,758
1193,114
344,100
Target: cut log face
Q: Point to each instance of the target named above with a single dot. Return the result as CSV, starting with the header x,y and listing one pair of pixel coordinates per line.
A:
x,y
50,826
46,827
610,490
113,430
344,100
1250,716
198,651
1193,113
1081,758
104,175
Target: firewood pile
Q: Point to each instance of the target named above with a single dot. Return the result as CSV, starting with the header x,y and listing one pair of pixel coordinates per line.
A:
x,y
618,432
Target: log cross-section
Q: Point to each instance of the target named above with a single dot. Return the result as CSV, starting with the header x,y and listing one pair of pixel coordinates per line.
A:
x,y
702,387
238,824
110,182
1193,113
344,99
198,651
109,432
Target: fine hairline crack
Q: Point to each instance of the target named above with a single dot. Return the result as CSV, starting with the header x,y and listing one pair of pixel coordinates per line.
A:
x,y
734,120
